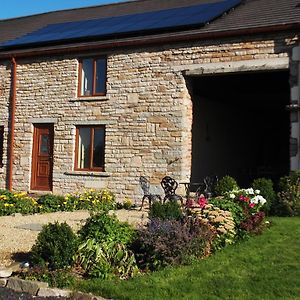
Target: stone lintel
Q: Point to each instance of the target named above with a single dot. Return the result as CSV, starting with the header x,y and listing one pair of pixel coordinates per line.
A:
x,y
93,122
42,120
281,63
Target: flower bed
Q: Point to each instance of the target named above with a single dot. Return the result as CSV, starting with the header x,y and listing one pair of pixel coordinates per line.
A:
x,y
21,202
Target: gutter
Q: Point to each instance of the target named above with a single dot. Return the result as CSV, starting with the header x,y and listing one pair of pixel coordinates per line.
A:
x,y
147,40
12,122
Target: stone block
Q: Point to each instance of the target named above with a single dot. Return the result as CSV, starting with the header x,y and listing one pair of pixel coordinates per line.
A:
x,y
30,287
53,292
95,184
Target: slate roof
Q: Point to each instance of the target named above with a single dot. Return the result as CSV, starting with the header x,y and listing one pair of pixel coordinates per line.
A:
x,y
249,15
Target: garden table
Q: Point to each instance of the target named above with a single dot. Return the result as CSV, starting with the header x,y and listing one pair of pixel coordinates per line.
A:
x,y
191,187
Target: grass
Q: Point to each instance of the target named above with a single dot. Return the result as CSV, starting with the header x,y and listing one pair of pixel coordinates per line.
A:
x,y
263,267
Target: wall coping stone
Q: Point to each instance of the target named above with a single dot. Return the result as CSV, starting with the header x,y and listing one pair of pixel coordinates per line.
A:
x,y
41,289
26,286
53,292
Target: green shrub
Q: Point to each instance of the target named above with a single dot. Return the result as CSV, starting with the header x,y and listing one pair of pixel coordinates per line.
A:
x,y
55,246
103,227
106,259
226,204
170,210
289,195
103,251
265,186
225,185
169,242
50,203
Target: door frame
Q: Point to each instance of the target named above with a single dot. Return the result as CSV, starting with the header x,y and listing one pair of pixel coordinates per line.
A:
x,y
34,155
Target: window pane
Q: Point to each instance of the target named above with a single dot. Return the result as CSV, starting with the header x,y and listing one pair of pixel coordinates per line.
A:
x,y
87,77
84,142
44,144
101,76
98,151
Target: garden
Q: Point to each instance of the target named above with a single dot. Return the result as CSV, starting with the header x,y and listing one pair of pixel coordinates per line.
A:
x,y
228,246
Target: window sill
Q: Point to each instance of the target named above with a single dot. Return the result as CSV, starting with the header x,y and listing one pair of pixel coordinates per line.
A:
x,y
88,98
88,173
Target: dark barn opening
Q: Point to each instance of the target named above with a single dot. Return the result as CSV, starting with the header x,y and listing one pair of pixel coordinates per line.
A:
x,y
241,126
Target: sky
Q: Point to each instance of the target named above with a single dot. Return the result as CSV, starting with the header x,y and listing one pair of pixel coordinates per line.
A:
x,y
18,8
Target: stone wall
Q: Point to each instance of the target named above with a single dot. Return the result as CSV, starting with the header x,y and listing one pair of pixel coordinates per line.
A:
x,y
147,111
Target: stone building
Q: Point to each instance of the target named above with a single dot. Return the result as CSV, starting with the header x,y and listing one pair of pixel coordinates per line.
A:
x,y
95,97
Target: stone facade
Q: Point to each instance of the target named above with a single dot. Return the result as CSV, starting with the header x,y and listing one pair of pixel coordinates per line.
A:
x,y
147,110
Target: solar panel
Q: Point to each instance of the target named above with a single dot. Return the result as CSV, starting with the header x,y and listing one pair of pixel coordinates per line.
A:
x,y
168,19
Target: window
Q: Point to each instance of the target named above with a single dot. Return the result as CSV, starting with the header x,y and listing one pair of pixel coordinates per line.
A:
x,y
89,151
92,77
1,145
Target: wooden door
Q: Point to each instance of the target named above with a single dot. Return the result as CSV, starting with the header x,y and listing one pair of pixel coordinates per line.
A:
x,y
42,157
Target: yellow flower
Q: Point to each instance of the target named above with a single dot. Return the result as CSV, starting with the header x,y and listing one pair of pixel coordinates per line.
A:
x,y
6,204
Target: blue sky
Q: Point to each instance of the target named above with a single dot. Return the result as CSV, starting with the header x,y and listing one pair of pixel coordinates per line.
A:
x,y
18,8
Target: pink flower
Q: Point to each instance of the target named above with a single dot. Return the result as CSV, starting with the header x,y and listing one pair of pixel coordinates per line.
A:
x,y
251,205
190,203
202,202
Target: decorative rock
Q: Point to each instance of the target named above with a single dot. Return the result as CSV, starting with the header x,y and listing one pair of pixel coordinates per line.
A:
x,y
3,282
30,287
48,292
5,272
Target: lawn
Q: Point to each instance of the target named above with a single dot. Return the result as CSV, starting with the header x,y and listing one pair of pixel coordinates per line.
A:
x,y
263,267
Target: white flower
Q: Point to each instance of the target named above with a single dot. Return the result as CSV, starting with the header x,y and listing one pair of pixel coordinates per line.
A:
x,y
262,199
257,192
254,200
250,191
258,199
232,196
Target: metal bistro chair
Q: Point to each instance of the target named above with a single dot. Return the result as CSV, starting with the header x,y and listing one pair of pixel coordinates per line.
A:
x,y
145,186
169,186
206,188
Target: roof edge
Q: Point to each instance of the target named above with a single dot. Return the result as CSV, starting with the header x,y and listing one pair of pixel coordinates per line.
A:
x,y
144,41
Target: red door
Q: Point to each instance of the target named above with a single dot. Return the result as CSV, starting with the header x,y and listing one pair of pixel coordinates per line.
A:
x,y
42,157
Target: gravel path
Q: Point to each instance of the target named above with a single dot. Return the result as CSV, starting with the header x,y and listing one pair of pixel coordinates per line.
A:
x,y
18,233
